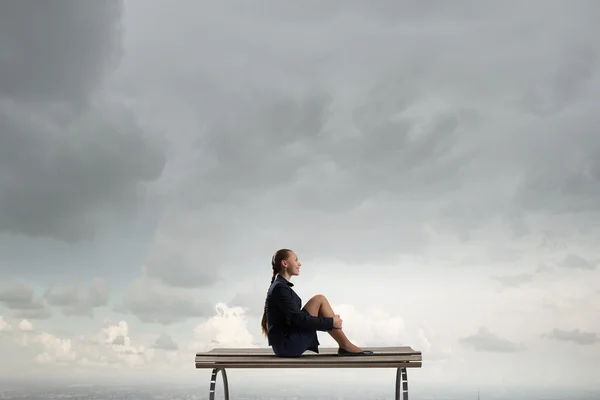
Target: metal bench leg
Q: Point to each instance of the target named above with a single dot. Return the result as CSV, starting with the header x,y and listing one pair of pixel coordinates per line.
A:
x,y
401,383
213,383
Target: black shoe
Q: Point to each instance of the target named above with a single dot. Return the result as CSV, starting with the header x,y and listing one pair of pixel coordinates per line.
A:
x,y
344,352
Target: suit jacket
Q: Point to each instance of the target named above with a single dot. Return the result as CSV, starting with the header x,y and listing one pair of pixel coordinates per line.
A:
x,y
284,314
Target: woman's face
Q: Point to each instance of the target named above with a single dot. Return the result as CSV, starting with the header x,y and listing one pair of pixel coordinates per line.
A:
x,y
291,264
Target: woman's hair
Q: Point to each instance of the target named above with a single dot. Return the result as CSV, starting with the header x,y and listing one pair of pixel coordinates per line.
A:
x,y
278,257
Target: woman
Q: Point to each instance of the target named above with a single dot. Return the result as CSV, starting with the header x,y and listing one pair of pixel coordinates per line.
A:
x,y
291,330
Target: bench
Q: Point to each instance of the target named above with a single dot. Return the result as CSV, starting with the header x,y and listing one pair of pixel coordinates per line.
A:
x,y
219,359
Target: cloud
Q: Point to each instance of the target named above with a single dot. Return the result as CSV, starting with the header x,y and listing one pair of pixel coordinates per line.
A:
x,y
80,174
179,262
575,336
401,158
111,347
553,241
115,347
567,187
34,72
434,346
151,301
372,163
165,342
253,302
72,161
575,261
26,326
315,173
121,348
555,88
4,326
486,341
228,328
55,350
514,280
73,302
20,298
369,327
119,340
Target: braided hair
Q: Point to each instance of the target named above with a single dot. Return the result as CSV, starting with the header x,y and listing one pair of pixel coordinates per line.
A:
x,y
276,260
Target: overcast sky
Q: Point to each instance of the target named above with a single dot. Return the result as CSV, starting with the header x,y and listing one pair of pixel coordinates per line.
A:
x,y
435,165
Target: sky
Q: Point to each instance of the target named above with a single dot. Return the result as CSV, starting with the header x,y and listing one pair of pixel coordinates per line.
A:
x,y
435,166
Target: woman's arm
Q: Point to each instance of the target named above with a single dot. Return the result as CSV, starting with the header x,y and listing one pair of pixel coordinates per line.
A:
x,y
282,298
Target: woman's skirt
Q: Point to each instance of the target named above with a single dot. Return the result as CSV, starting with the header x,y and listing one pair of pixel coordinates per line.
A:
x,y
297,342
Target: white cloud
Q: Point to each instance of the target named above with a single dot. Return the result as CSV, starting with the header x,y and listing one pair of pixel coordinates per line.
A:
x,y
117,341
368,327
55,350
111,332
434,346
111,347
371,326
228,328
26,326
4,326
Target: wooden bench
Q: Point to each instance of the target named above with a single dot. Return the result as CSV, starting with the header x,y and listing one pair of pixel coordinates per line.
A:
x,y
219,359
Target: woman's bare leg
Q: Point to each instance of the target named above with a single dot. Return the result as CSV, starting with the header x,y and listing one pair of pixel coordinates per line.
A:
x,y
319,306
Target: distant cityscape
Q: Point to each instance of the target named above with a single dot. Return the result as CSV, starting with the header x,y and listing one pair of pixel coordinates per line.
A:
x,y
200,392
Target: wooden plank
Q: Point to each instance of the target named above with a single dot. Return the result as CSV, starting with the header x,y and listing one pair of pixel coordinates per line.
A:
x,y
305,358
362,364
262,351
268,350
383,357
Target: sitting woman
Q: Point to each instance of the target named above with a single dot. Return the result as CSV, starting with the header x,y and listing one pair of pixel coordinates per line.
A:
x,y
291,330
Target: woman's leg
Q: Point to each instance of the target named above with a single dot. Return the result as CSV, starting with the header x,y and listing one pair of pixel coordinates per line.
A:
x,y
319,306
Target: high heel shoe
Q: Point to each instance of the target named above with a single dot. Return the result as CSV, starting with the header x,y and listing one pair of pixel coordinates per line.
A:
x,y
344,352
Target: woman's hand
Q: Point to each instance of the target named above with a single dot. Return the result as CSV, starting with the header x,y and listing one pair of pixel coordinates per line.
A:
x,y
337,321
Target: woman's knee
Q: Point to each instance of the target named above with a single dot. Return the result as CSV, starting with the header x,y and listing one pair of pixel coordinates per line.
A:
x,y
320,298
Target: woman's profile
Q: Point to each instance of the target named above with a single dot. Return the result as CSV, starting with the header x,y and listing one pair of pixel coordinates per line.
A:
x,y
292,330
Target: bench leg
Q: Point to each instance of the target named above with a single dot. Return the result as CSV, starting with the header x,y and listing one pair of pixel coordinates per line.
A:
x,y
213,383
401,383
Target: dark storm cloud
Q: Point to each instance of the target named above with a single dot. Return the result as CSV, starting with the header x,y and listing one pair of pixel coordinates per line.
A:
x,y
70,162
388,155
484,340
574,336
57,51
175,269
74,300
275,176
264,146
154,303
21,299
562,174
363,152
